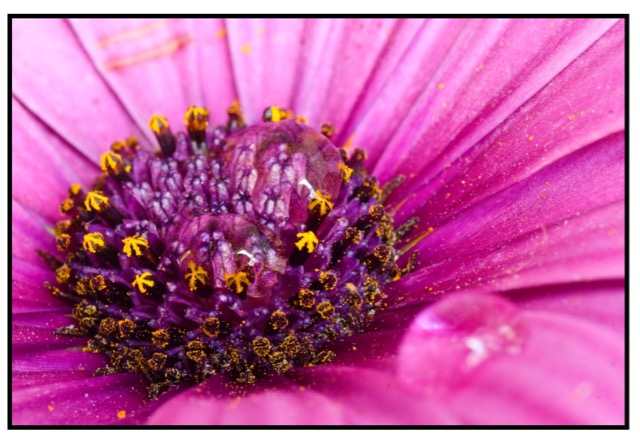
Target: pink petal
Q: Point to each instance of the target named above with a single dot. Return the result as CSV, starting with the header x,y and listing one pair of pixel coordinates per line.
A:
x,y
95,400
564,223
493,67
340,62
205,405
265,54
453,176
494,365
372,397
214,71
54,79
27,289
29,234
130,54
600,302
40,186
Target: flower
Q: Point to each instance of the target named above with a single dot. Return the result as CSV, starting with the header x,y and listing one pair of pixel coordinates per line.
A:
x,y
510,136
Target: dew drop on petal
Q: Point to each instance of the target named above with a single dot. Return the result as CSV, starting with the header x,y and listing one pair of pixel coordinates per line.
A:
x,y
452,339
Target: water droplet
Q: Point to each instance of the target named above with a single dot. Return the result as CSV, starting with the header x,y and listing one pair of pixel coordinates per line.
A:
x,y
451,339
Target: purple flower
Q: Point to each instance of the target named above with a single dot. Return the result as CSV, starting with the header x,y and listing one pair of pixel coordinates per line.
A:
x,y
505,141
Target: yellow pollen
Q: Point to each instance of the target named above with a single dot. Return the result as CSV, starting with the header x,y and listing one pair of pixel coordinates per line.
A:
x,y
275,114
142,281
237,280
133,244
196,118
66,205
75,189
307,239
345,172
95,201
158,124
110,161
93,242
301,119
122,414
196,275
322,202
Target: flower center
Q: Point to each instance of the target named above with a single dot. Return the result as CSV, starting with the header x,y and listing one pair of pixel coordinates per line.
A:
x,y
235,250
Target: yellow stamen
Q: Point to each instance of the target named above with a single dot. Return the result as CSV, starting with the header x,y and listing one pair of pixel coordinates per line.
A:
x,y
110,161
307,239
75,189
345,172
158,124
93,242
237,280
133,244
196,275
321,202
95,200
142,281
196,118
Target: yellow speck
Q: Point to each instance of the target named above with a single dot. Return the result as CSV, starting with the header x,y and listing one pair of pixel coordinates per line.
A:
x,y
142,281
50,408
261,30
307,239
444,105
571,117
221,33
530,138
122,414
551,24
246,49
440,86
480,67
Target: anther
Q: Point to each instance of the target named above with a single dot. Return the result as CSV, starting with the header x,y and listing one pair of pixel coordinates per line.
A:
x,y
167,141
211,327
196,277
278,321
238,282
112,163
327,129
307,239
274,114
196,119
236,119
96,201
135,244
325,309
305,299
261,346
143,282
93,242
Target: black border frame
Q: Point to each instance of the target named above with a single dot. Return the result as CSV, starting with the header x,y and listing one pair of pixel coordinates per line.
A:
x,y
625,17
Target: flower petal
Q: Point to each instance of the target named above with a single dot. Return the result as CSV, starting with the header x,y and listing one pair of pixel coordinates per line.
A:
x,y
601,302
28,235
130,54
214,71
564,223
27,291
90,401
56,81
265,54
452,176
341,60
47,181
497,366
207,404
